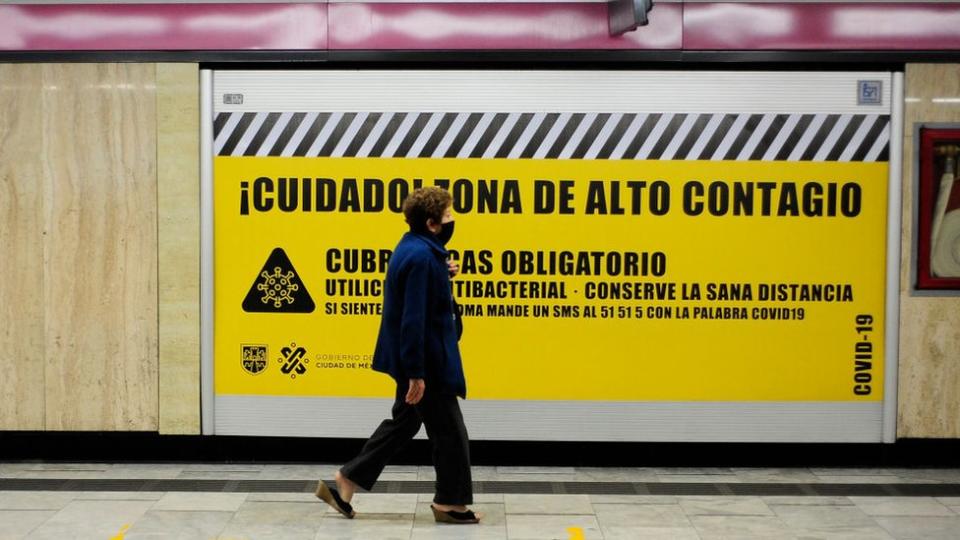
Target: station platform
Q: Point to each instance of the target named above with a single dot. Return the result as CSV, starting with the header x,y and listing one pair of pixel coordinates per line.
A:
x,y
46,500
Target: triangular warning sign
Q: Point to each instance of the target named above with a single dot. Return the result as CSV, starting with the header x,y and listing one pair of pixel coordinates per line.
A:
x,y
278,288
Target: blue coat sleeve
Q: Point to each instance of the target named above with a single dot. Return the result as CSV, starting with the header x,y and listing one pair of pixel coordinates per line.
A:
x,y
413,321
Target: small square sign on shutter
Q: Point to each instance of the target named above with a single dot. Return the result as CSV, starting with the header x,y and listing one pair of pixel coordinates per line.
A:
x,y
869,92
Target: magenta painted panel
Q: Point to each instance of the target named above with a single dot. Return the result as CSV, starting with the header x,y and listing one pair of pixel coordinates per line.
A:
x,y
155,27
727,26
439,26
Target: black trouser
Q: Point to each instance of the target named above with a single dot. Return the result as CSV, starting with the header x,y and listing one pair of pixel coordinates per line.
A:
x,y
441,415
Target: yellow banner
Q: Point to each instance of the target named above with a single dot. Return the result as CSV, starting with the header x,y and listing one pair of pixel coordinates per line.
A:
x,y
604,280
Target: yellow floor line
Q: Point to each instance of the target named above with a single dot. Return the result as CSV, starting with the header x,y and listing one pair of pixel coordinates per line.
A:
x,y
120,534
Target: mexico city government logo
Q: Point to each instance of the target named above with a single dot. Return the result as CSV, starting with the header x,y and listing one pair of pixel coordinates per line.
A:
x,y
294,360
253,358
278,288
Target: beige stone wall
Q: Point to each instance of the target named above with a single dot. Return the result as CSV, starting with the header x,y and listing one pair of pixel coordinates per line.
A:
x,y
22,300
80,147
929,393
99,264
178,197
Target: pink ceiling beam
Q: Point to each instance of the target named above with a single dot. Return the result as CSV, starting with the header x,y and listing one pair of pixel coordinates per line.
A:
x,y
171,27
445,26
477,26
783,26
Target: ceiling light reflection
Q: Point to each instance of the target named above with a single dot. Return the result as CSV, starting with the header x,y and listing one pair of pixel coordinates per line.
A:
x,y
733,23
897,22
358,23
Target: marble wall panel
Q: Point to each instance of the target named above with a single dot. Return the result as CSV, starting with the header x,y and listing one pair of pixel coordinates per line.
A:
x,y
178,200
100,256
929,375
21,242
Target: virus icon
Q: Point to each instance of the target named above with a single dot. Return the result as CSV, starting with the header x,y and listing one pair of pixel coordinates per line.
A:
x,y
277,287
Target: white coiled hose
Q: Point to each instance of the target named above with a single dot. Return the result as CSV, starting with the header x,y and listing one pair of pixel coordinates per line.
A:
x,y
945,236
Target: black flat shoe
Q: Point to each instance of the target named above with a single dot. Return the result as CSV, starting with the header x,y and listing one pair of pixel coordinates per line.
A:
x,y
452,516
331,497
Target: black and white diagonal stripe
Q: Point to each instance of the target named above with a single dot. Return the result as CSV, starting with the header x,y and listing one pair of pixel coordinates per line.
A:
x,y
635,136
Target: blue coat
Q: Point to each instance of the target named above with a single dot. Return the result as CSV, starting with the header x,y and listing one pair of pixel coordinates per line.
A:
x,y
418,334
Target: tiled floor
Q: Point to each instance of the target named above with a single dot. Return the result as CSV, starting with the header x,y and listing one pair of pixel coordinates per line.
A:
x,y
237,515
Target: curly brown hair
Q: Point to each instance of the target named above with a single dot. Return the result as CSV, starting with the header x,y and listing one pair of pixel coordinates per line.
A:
x,y
426,203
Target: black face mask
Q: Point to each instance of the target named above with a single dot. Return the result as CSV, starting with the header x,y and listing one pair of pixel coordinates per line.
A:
x,y
446,231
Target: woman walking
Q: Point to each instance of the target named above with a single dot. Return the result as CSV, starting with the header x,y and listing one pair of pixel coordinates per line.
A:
x,y
417,346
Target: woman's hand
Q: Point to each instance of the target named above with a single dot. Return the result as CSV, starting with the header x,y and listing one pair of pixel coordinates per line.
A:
x,y
415,391
453,268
